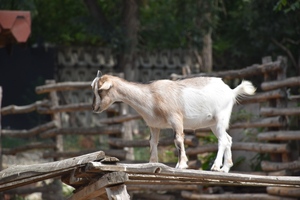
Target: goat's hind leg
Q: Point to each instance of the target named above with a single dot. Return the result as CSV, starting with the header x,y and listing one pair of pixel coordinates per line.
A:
x,y
224,149
154,139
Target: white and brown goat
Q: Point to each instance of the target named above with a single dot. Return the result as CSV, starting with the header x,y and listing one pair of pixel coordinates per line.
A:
x,y
184,104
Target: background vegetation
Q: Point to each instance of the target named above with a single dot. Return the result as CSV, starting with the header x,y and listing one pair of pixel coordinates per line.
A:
x,y
239,32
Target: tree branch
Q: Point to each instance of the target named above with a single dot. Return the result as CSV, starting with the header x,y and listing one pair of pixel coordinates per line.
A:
x,y
287,51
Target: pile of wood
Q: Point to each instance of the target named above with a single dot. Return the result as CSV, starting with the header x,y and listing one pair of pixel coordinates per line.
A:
x,y
98,176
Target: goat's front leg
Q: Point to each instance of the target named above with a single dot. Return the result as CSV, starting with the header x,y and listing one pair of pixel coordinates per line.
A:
x,y
154,138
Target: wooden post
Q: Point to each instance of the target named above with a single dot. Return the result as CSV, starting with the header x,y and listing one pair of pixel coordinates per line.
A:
x,y
282,102
58,138
272,103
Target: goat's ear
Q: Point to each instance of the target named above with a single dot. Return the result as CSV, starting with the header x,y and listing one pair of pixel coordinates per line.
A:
x,y
106,85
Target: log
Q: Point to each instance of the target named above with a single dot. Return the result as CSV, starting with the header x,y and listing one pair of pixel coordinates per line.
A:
x,y
288,82
120,153
269,112
284,191
37,145
276,166
13,109
62,87
279,135
188,140
29,133
115,129
244,146
65,108
19,175
120,119
229,196
240,73
263,97
265,122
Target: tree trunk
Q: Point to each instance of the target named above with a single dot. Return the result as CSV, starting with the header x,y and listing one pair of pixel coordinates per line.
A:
x,y
130,23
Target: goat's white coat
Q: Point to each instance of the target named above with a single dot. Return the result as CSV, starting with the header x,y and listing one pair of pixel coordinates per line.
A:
x,y
186,104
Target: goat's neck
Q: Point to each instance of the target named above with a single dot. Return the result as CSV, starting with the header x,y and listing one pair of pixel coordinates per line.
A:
x,y
138,96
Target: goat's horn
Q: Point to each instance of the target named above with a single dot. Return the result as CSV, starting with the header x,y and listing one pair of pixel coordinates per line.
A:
x,y
99,74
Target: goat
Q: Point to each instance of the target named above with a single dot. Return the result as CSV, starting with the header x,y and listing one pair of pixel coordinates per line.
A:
x,y
184,104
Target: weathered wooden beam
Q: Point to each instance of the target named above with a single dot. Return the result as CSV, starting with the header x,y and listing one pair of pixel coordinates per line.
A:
x,y
276,166
269,112
279,135
287,82
20,175
62,86
13,109
115,129
245,146
29,133
98,188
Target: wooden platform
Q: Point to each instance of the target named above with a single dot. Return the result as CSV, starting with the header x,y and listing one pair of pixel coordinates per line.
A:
x,y
94,175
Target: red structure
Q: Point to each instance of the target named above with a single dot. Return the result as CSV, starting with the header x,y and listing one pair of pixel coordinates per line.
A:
x,y
15,27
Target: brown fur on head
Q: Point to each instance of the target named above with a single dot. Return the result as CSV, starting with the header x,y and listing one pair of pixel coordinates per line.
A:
x,y
102,98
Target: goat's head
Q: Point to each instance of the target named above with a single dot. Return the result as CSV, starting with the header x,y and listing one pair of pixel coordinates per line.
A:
x,y
103,98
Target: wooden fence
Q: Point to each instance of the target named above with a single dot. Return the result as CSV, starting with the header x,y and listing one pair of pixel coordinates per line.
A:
x,y
275,138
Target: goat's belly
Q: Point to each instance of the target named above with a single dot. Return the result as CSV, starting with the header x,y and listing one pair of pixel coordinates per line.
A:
x,y
198,122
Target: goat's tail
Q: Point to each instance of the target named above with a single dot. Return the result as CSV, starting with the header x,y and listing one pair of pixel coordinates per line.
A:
x,y
245,88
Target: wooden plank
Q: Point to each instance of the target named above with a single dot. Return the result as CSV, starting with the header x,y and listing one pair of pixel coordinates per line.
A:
x,y
97,188
263,97
19,175
206,176
279,135
120,119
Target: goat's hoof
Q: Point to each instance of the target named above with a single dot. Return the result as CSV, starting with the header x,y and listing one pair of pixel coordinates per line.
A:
x,y
225,169
215,168
181,166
